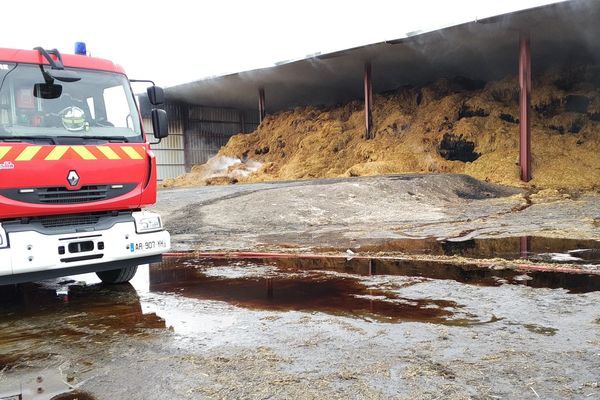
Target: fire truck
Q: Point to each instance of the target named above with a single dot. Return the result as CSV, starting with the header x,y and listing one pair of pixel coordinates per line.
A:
x,y
76,169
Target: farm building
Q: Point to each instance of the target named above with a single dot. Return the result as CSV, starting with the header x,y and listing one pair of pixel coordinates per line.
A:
x,y
497,98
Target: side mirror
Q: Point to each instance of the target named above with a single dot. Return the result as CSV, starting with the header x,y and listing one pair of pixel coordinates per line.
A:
x,y
160,123
156,95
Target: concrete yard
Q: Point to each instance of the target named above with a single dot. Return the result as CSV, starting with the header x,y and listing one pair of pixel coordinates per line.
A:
x,y
390,309
346,213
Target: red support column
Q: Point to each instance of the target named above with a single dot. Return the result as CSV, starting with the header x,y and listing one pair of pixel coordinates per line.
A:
x,y
368,101
525,108
261,104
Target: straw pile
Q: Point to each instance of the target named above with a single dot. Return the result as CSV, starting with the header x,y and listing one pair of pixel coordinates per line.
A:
x,y
452,125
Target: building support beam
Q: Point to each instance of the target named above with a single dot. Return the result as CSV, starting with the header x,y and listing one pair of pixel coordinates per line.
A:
x,y
187,146
525,107
261,104
368,101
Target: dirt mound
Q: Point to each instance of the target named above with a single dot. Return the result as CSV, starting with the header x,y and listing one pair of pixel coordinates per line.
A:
x,y
452,125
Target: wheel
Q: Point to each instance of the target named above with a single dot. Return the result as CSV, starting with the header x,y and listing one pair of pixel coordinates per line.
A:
x,y
117,275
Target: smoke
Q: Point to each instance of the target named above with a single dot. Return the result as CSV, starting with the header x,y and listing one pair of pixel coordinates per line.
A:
x,y
222,166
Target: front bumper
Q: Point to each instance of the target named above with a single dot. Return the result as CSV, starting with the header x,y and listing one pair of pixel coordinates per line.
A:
x,y
34,252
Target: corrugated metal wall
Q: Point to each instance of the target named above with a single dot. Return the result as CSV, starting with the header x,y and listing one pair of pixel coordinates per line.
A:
x,y
210,128
170,152
196,133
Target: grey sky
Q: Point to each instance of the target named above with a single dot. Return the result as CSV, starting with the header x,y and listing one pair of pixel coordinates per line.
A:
x,y
178,41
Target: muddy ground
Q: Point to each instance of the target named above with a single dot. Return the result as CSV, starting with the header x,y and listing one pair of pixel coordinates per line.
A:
x,y
194,329
350,213
423,323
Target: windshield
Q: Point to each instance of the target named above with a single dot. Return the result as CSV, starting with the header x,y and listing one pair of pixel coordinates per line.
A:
x,y
99,105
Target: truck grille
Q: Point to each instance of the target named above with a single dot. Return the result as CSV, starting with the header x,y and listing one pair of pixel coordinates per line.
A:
x,y
60,195
68,223
56,221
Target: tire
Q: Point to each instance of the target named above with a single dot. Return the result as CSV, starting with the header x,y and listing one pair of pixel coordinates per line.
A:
x,y
117,275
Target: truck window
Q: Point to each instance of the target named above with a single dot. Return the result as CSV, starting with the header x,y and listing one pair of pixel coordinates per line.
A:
x,y
99,105
5,97
117,111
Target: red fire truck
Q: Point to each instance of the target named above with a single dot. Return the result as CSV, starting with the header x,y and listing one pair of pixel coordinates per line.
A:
x,y
76,169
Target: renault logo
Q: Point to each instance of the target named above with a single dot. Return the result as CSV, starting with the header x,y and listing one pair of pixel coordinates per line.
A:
x,y
73,178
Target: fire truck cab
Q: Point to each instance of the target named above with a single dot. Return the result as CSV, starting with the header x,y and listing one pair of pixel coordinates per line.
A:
x,y
76,169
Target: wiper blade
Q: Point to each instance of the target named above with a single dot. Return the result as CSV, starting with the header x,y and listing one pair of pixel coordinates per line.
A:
x,y
98,137
18,139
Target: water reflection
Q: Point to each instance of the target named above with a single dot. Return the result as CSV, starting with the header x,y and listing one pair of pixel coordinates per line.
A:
x,y
527,247
36,316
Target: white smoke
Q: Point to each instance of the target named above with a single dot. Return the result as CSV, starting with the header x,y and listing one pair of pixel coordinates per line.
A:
x,y
221,166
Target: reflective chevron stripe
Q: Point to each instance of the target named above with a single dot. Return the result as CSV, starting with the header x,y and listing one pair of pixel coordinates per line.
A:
x,y
4,150
83,152
56,153
108,153
28,153
132,153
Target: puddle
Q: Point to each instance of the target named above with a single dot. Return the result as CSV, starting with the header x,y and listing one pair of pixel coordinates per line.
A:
x,y
76,315
301,292
86,334
571,251
343,287
40,320
190,270
76,395
114,308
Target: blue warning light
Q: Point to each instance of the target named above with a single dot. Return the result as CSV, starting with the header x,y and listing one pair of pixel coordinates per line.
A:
x,y
80,48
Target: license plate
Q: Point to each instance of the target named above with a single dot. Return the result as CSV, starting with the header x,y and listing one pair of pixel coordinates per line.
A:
x,y
148,245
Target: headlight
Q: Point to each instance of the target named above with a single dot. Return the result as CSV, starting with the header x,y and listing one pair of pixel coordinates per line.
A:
x,y
147,222
3,238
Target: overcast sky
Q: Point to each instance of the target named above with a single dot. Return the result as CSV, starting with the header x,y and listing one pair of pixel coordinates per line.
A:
x,y
176,41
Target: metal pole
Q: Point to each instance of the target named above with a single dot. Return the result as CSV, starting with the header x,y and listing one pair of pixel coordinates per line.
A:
x,y
368,101
261,104
187,142
525,107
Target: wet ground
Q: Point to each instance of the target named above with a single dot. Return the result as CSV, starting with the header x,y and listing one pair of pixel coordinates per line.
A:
x,y
582,252
304,216
408,287
309,327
